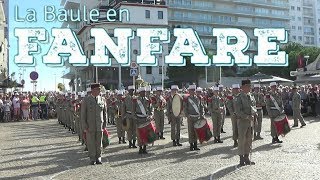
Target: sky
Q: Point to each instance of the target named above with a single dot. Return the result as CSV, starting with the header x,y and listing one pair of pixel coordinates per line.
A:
x,y
48,76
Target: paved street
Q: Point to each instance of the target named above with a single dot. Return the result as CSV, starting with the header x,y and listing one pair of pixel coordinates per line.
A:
x,y
45,150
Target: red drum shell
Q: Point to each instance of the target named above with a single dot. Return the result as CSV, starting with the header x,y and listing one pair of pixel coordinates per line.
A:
x,y
203,130
146,133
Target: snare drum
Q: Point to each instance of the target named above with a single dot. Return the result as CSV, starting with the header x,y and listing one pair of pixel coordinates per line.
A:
x,y
147,133
203,130
282,125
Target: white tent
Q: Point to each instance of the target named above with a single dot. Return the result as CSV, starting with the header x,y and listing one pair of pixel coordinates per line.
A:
x,y
274,79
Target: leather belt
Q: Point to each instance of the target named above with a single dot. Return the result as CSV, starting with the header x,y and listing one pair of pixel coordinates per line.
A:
x,y
141,115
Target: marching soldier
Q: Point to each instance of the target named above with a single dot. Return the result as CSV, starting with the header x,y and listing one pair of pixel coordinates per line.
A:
x,y
260,102
142,111
230,103
174,121
77,115
118,109
159,104
72,112
216,109
193,109
128,117
275,108
224,112
93,119
296,107
245,108
111,111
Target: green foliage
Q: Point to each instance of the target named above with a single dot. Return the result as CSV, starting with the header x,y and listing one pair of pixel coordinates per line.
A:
x,y
293,50
188,73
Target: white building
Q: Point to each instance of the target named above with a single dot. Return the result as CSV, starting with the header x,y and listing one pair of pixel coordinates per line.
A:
x,y
305,22
203,15
3,41
142,15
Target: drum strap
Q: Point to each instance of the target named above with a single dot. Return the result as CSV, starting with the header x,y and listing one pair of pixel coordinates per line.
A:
x,y
142,109
275,103
194,105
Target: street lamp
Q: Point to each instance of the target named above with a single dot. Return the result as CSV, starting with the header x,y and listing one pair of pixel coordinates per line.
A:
x,y
307,57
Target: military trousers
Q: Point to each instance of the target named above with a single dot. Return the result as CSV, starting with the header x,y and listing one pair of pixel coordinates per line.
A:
x,y
159,120
132,135
273,114
245,132
58,110
234,124
191,131
258,121
94,143
72,120
297,116
223,117
216,123
77,125
120,131
175,127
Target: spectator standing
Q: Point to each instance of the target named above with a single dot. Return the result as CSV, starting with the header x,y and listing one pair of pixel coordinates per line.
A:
x,y
34,106
25,107
16,107
7,109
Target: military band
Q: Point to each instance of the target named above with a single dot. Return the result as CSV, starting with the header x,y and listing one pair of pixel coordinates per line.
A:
x,y
142,114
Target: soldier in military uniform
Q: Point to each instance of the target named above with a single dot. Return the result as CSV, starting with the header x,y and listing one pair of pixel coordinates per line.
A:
x,y
142,111
215,106
260,102
296,108
175,122
77,115
222,96
118,115
194,111
275,108
245,108
230,103
128,117
93,118
72,112
111,110
159,104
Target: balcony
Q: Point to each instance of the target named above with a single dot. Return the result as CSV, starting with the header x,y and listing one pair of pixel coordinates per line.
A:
x,y
71,4
308,14
154,2
263,2
309,33
308,23
212,9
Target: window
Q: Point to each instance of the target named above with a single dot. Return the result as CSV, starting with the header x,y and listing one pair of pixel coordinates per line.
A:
x,y
298,8
160,14
293,27
149,70
292,7
147,14
294,37
92,52
160,70
299,27
300,38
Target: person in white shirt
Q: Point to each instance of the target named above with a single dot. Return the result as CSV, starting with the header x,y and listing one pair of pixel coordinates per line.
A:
x,y
16,107
7,109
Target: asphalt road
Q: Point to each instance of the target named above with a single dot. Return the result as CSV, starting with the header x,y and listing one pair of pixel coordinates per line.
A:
x,y
45,150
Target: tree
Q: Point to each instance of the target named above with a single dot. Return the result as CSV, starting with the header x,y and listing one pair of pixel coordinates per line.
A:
x,y
185,74
294,50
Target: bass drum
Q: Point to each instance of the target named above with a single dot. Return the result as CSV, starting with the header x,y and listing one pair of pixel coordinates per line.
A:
x,y
177,105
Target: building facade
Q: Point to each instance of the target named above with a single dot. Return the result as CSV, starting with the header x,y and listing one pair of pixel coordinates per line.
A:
x,y
305,22
145,14
203,15
4,45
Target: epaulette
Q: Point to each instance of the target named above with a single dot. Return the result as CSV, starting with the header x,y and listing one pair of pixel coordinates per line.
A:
x,y
229,97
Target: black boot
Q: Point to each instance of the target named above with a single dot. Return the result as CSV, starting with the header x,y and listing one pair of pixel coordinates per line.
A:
x,y
215,140
130,144
222,130
242,163
86,148
277,140
247,160
258,137
178,143
144,151
119,140
219,140
195,146
174,143
158,136
123,140
191,147
140,150
134,144
161,136
235,143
